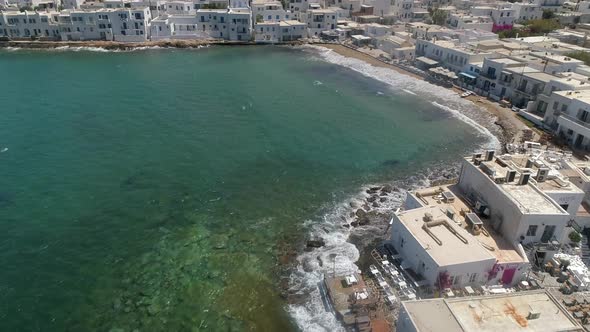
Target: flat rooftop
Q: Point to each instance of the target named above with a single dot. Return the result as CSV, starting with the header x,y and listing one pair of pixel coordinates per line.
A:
x,y
583,95
491,313
496,245
451,249
554,182
528,199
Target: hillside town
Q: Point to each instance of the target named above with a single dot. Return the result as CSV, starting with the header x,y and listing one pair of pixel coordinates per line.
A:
x,y
502,247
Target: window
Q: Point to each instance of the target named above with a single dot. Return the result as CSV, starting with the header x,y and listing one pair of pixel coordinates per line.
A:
x,y
555,105
472,278
564,206
532,231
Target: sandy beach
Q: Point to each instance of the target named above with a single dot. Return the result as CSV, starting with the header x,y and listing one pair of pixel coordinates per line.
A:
x,y
510,123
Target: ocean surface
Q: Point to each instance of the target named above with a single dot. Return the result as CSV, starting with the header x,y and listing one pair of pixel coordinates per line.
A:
x,y
173,190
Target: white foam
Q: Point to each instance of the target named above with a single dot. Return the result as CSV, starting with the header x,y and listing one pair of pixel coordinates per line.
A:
x,y
462,109
494,142
312,315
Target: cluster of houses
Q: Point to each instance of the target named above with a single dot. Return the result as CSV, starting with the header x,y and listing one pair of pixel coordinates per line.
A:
x,y
505,214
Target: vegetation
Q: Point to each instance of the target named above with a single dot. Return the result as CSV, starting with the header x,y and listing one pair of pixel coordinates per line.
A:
x,y
213,6
548,14
580,55
437,16
259,18
531,28
575,237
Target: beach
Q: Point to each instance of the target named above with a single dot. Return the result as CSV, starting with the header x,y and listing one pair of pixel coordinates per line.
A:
x,y
510,123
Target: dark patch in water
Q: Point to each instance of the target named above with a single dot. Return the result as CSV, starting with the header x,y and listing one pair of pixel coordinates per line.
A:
x,y
6,199
134,181
390,163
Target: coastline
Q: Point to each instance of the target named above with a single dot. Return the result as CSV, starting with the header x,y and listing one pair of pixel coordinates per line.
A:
x,y
510,124
126,46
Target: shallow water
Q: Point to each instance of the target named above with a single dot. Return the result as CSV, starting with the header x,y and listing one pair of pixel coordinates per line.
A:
x,y
158,190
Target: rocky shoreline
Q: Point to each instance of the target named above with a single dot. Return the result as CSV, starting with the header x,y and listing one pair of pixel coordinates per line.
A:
x,y
125,46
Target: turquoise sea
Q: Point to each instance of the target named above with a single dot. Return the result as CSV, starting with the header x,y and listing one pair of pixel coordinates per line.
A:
x,y
160,190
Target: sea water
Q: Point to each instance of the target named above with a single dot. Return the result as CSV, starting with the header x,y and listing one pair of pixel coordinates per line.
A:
x,y
173,190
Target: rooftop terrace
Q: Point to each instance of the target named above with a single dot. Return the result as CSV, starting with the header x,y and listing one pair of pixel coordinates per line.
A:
x,y
493,242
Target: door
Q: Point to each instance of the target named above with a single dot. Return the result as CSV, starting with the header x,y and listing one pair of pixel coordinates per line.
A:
x,y
508,275
548,233
578,141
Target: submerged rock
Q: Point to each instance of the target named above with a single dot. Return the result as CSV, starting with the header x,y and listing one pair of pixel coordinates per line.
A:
x,y
116,304
316,243
153,310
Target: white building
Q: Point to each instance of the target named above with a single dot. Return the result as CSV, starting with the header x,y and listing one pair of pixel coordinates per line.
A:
x,y
319,20
462,21
443,241
571,109
231,24
263,11
438,251
448,54
403,9
527,11
517,198
176,27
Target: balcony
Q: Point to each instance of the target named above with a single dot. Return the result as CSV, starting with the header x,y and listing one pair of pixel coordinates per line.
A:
x,y
575,124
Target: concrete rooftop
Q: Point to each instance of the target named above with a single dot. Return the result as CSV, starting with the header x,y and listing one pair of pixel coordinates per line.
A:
x,y
492,313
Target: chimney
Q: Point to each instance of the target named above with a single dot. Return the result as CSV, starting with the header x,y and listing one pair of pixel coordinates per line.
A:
x,y
510,176
542,174
529,163
524,178
489,155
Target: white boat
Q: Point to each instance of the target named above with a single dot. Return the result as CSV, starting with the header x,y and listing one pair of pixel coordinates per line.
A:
x,y
466,94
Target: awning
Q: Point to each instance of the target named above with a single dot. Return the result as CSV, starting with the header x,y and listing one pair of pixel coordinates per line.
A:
x,y
427,61
468,75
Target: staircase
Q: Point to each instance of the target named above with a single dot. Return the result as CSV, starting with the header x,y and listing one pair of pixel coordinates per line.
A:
x,y
585,250
529,250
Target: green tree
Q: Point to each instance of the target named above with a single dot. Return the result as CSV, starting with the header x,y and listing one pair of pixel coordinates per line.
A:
x,y
259,18
548,14
575,237
580,55
439,16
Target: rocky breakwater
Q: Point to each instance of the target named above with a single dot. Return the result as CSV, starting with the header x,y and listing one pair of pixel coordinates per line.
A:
x,y
371,209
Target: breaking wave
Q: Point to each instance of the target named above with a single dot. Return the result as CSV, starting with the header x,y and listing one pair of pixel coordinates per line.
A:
x,y
462,109
312,315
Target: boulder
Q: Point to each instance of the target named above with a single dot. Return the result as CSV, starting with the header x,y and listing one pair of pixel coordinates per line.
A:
x,y
316,243
375,204
387,188
383,199
372,198
360,213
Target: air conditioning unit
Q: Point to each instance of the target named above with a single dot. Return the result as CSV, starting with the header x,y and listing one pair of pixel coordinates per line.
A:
x,y
529,163
524,178
510,176
542,174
